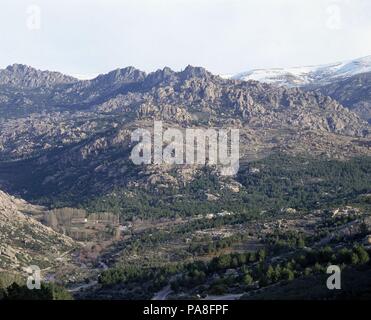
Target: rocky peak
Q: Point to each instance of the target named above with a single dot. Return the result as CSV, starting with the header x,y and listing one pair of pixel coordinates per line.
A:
x,y
121,76
20,75
17,68
166,75
195,72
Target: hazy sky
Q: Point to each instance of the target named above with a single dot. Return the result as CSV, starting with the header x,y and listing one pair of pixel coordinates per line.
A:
x,y
87,37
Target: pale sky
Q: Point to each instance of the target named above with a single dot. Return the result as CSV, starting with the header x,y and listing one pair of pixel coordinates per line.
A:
x,y
87,37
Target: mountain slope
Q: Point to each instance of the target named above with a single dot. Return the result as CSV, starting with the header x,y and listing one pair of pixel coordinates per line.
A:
x,y
354,93
307,75
23,240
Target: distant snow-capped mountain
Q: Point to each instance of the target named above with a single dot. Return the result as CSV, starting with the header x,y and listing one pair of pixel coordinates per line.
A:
x,y
302,76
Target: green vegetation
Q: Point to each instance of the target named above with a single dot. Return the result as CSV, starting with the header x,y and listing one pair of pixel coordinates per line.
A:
x,y
280,241
282,182
6,279
306,183
46,292
277,182
235,271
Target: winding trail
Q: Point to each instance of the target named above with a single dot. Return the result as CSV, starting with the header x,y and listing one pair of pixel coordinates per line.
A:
x,y
162,294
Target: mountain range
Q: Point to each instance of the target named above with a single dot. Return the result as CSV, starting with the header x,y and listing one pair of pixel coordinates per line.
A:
x,y
50,121
66,142
308,75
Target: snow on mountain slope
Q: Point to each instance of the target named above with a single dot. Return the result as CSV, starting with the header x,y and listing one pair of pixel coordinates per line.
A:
x,y
301,76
